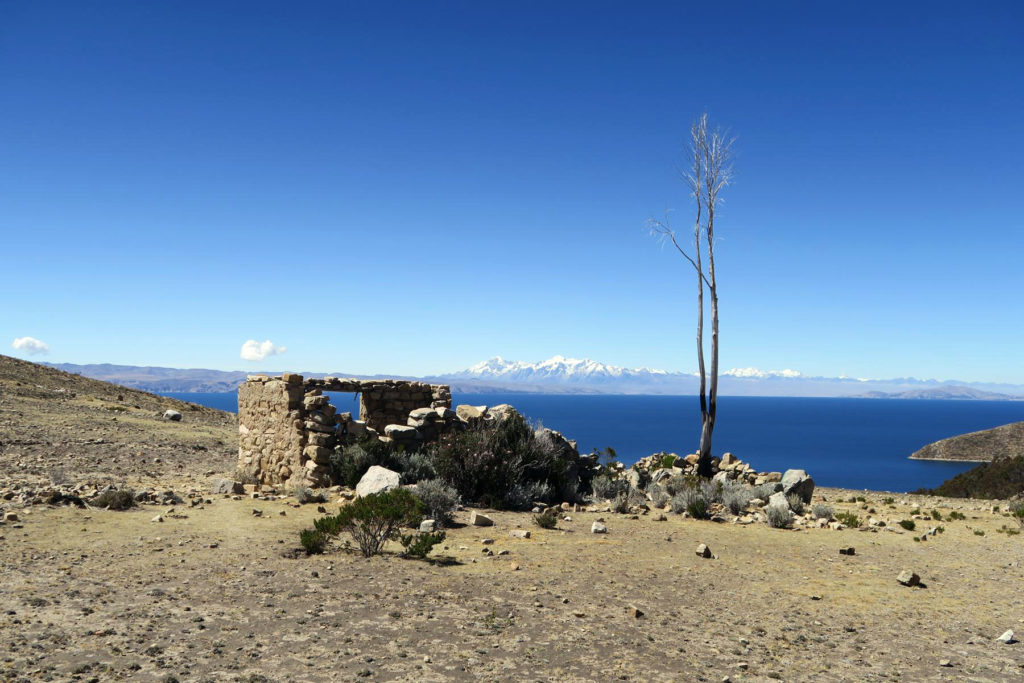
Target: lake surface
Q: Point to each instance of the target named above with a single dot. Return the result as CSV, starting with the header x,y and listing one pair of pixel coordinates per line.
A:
x,y
851,443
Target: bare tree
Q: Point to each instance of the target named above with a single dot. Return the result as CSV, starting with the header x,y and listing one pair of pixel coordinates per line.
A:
x,y
709,173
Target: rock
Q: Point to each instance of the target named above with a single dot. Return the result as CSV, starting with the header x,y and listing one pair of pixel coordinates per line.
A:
x,y
501,412
660,518
634,611
778,500
1007,638
703,551
519,533
158,518
908,578
945,663
172,415
663,473
847,551
480,519
291,378
598,528
11,517
376,480
427,526
486,541
470,413
401,432
798,482
227,486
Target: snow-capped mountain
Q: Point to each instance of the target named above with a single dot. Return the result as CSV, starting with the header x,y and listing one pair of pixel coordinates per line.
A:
x,y
574,375
556,368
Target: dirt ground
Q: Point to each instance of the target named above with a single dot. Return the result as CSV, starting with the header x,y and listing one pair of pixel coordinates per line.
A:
x,y
216,593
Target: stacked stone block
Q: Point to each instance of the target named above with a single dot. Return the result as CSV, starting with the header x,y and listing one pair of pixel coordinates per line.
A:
x,y
288,427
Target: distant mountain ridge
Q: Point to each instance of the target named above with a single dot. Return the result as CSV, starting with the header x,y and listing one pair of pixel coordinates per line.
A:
x,y
563,375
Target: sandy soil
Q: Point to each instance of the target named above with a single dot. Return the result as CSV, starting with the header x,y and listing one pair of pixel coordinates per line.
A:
x,y
216,593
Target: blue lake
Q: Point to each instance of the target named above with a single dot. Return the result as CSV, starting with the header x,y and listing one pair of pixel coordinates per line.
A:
x,y
851,443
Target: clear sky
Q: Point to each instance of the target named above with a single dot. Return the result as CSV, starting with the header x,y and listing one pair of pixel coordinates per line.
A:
x,y
414,187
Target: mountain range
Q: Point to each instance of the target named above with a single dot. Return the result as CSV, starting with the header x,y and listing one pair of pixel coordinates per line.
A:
x,y
583,376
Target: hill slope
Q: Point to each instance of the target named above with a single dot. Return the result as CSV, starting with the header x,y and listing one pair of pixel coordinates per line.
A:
x,y
987,445
54,424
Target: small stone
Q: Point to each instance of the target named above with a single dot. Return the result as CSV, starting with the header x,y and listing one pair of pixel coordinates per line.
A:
x,y
909,578
634,611
519,533
703,551
427,526
514,567
945,663
11,517
478,519
158,518
1007,637
598,528
847,551
172,415
660,518
486,541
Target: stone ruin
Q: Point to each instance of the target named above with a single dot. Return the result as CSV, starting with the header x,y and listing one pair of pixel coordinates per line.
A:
x,y
287,427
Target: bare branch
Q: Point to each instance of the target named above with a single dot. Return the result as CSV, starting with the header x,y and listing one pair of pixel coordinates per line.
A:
x,y
665,233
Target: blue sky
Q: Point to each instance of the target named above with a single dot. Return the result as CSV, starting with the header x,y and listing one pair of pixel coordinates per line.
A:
x,y
414,187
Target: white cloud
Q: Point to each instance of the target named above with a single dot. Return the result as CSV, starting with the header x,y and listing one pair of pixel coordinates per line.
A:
x,y
30,345
254,350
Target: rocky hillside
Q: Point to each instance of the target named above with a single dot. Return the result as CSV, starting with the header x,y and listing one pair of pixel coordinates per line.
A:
x,y
1006,441
57,425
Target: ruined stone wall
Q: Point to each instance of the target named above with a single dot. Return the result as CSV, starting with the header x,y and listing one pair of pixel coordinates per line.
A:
x,y
270,428
288,428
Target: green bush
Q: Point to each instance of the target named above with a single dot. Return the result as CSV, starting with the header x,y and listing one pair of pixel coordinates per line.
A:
x,y
439,499
668,461
420,545
372,520
736,497
779,517
607,488
546,520
821,511
348,465
907,524
936,515
495,464
691,501
313,541
955,515
848,519
119,499
1002,478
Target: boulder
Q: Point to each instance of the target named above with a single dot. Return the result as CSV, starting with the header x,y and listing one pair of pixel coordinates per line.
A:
x,y
798,482
501,412
703,551
1007,638
598,528
226,486
908,578
778,499
427,526
519,533
479,519
172,415
378,479
401,432
470,413
663,473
